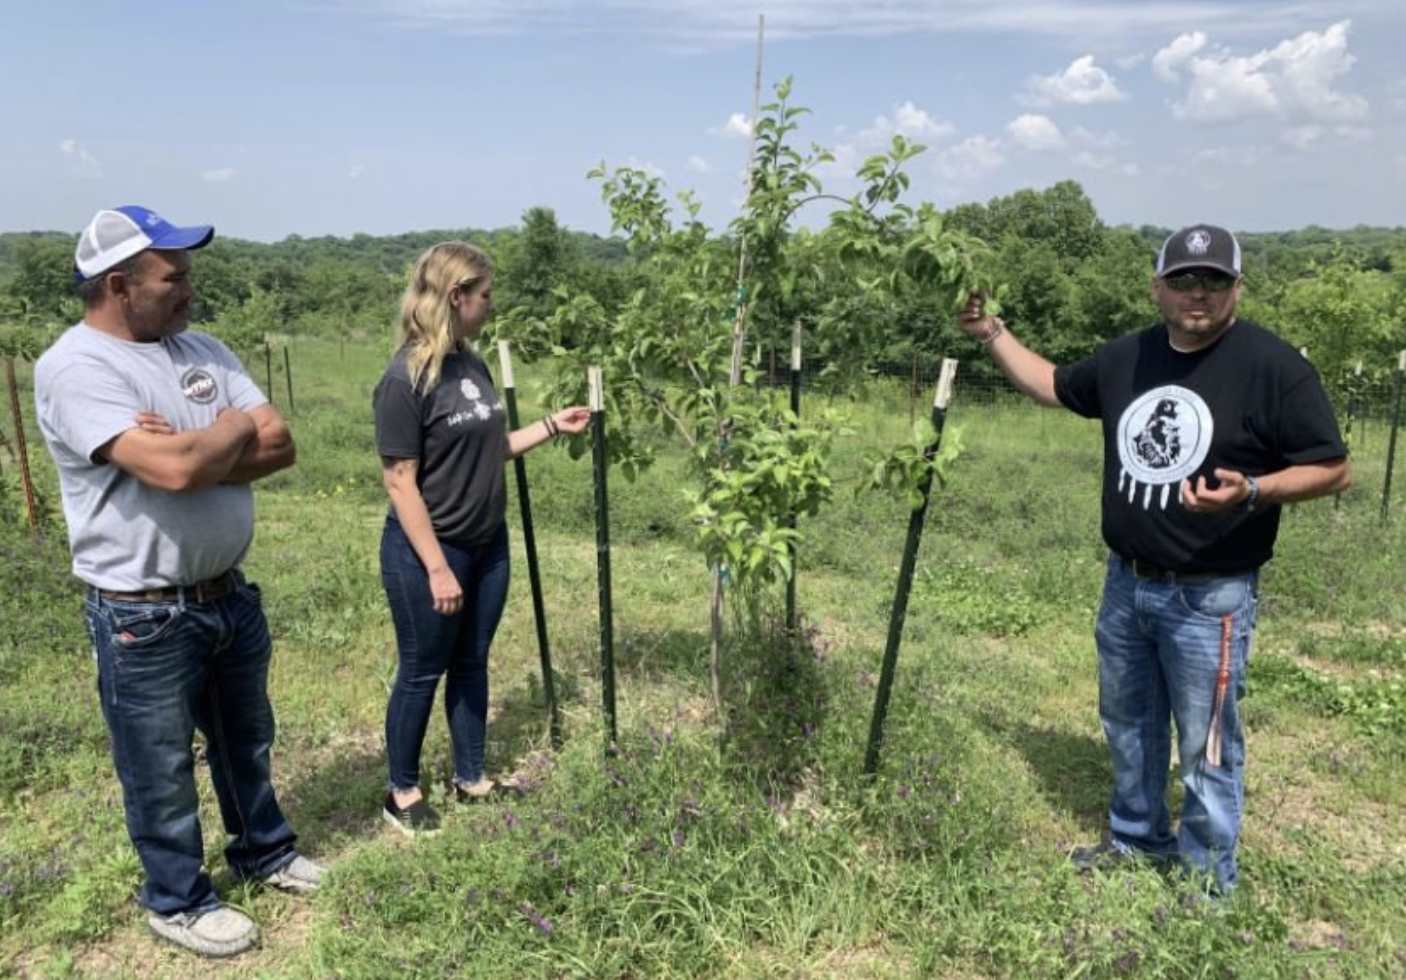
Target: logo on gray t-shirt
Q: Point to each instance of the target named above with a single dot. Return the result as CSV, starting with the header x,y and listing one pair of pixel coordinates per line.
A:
x,y
199,386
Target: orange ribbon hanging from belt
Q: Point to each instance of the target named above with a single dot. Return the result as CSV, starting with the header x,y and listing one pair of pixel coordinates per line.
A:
x,y
1227,625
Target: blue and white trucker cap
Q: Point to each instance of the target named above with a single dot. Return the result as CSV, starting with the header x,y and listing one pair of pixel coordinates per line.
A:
x,y
117,235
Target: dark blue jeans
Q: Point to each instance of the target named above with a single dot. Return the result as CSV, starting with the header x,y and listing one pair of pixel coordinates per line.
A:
x,y
1158,661
164,670
431,646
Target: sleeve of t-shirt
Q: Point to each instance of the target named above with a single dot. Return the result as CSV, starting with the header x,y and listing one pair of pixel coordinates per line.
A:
x,y
1307,429
87,405
1076,387
397,407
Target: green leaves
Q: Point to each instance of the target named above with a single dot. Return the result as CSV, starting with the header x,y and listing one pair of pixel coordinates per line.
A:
x,y
908,470
666,351
767,470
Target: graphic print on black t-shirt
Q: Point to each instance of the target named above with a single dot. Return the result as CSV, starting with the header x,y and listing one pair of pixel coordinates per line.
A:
x,y
479,408
1163,437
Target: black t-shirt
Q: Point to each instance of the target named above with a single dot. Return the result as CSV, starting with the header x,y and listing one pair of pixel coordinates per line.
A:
x,y
458,434
1249,402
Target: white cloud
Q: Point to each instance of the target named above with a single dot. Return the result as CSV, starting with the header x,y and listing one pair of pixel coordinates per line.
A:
x,y
699,165
847,158
973,157
220,175
738,126
1294,79
1107,141
1310,64
1035,132
1082,83
357,170
82,163
911,122
1314,136
1234,156
1106,164
1167,63
906,120
1302,137
648,166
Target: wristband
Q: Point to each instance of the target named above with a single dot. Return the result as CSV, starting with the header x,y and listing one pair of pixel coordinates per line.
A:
x,y
999,329
550,426
1254,496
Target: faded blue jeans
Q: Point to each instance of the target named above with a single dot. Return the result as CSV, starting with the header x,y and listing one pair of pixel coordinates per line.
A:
x,y
164,670
1158,661
431,646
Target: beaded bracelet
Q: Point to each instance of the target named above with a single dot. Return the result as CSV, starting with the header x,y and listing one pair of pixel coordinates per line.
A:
x,y
996,331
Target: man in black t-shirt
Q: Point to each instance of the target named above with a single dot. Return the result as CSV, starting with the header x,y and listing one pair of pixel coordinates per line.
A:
x,y
1210,424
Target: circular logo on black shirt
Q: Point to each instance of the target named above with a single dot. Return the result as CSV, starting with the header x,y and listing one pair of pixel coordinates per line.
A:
x,y
199,386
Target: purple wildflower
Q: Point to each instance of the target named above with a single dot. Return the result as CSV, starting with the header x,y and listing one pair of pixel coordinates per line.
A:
x,y
536,918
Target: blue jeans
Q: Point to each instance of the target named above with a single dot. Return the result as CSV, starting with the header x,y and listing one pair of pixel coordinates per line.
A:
x,y
430,646
1158,660
164,670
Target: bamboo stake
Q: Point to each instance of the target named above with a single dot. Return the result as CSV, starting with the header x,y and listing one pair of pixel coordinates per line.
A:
x,y
905,573
31,507
739,333
601,465
739,321
529,542
268,368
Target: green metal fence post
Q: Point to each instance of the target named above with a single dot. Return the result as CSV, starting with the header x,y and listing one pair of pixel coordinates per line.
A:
x,y
529,543
600,466
905,574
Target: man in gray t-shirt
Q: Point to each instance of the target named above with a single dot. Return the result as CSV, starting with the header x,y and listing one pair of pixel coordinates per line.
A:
x,y
157,434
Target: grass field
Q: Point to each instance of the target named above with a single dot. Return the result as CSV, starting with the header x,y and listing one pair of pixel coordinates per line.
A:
x,y
766,856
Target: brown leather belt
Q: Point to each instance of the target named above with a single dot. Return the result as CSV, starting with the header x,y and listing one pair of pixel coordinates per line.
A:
x,y
206,591
1155,573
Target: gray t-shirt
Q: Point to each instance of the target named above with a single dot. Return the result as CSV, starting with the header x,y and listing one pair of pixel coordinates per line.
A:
x,y
458,434
124,534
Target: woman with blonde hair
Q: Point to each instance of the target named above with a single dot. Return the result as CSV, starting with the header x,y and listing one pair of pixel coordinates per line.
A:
x,y
442,438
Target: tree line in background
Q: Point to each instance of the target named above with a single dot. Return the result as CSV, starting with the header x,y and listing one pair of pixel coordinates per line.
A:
x,y
1069,281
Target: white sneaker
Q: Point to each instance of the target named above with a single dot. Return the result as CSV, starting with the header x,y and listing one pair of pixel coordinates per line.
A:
x,y
222,931
299,876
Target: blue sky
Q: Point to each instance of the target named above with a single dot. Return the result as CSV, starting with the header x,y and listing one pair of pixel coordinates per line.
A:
x,y
315,117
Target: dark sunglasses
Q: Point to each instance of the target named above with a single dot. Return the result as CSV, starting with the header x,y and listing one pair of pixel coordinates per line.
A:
x,y
1211,282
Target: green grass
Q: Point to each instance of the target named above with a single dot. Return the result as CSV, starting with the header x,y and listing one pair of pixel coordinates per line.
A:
x,y
766,855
